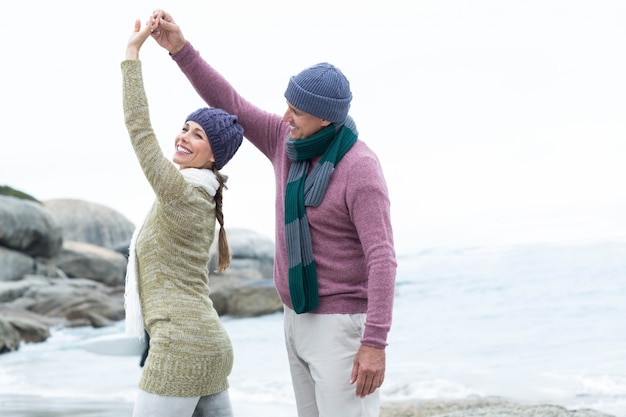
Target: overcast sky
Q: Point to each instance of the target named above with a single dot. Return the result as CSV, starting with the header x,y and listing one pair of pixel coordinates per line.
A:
x,y
495,121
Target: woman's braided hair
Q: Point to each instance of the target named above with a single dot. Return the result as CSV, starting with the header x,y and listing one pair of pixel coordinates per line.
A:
x,y
223,249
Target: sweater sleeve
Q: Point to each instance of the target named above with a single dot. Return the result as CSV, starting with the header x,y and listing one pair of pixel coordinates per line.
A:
x,y
262,128
161,173
369,207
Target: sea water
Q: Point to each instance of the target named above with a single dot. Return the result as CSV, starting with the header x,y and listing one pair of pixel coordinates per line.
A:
x,y
532,323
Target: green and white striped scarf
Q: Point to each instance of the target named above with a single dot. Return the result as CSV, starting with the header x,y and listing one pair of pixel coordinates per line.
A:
x,y
304,190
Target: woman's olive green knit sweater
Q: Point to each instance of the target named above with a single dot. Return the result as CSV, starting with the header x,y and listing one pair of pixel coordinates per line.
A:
x,y
190,352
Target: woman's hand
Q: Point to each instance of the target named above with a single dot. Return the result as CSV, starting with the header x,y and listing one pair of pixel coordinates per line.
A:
x,y
136,40
166,32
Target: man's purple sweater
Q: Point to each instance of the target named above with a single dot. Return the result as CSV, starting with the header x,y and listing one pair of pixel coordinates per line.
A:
x,y
350,230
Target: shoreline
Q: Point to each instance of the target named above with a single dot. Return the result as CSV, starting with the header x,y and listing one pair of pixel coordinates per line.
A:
x,y
37,406
481,407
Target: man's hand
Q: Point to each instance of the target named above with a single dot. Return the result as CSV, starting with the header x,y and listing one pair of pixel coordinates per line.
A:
x,y
166,32
368,371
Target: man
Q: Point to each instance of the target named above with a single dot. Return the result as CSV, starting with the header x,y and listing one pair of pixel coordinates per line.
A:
x,y
335,261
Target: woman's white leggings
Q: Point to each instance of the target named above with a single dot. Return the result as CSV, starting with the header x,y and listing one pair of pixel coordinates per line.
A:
x,y
153,405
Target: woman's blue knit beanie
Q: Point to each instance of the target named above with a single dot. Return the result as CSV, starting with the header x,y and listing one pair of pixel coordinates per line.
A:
x,y
224,132
321,90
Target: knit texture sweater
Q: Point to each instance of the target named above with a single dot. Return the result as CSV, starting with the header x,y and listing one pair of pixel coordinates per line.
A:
x,y
351,230
190,352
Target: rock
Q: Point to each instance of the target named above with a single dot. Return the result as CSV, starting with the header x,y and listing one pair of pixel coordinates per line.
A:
x,y
93,223
252,254
221,290
17,325
64,263
244,295
246,288
10,338
254,299
80,302
48,268
84,260
27,227
14,265
11,291
68,302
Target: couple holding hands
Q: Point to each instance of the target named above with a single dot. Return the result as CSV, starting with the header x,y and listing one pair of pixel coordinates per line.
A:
x,y
334,266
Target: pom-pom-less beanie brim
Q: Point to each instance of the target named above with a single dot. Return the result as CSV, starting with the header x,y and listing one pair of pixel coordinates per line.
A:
x,y
321,90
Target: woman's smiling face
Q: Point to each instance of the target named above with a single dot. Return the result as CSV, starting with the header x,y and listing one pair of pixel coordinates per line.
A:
x,y
192,148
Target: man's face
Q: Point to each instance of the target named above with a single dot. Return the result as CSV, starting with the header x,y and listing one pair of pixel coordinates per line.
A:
x,y
302,124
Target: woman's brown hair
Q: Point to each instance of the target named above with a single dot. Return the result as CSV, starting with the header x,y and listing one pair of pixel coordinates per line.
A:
x,y
223,249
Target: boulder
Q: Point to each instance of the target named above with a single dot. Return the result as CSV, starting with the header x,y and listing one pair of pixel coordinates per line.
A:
x,y
252,254
18,325
256,298
10,338
27,227
14,265
93,223
241,295
78,302
84,260
11,291
246,288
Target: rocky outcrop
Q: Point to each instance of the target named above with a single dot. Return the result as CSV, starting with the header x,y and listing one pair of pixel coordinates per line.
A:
x,y
63,263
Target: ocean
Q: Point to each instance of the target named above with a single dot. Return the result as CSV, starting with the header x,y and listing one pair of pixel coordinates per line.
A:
x,y
531,323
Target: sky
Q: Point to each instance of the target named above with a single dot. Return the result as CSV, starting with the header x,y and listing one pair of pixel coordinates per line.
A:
x,y
496,122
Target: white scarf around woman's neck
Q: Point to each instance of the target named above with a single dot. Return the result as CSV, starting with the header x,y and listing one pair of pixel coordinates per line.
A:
x,y
204,178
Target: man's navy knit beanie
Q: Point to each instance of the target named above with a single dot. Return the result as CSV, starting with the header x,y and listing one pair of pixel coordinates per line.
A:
x,y
321,90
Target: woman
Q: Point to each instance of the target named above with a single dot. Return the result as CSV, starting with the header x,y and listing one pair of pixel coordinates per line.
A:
x,y
167,291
